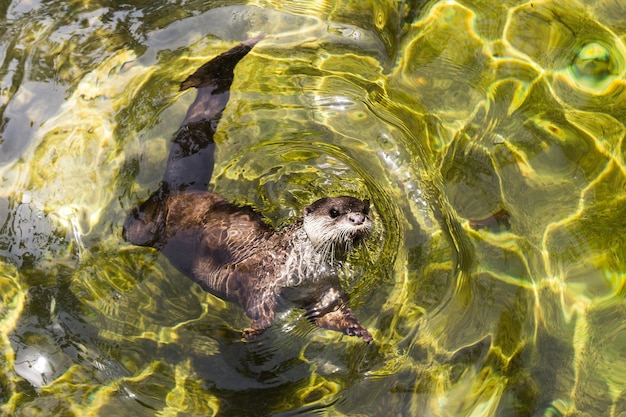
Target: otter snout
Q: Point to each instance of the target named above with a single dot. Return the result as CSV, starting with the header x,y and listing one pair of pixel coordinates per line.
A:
x,y
356,219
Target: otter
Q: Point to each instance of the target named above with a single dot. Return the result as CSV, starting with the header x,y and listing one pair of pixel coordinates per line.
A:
x,y
230,250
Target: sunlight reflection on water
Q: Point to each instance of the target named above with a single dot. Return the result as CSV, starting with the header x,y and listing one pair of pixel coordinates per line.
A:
x,y
488,135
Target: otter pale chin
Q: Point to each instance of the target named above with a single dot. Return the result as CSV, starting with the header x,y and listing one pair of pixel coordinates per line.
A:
x,y
230,251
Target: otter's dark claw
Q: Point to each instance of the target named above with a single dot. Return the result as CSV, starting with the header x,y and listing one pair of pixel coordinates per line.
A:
x,y
359,331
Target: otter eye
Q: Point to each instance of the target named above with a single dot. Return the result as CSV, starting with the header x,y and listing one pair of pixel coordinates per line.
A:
x,y
334,213
366,208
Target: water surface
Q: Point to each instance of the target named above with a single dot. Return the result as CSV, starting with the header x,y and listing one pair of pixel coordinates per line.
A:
x,y
488,135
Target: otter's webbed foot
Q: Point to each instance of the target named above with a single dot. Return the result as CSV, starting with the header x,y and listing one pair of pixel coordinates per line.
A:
x,y
260,306
257,328
332,312
251,333
145,224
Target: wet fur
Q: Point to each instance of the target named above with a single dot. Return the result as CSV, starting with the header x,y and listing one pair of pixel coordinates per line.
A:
x,y
229,250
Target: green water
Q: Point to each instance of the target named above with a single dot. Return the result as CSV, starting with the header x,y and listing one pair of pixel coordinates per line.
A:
x,y
443,114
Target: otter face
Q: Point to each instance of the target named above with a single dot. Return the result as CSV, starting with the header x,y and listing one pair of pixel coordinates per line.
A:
x,y
333,223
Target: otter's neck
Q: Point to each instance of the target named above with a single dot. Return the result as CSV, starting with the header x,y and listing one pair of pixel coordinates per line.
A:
x,y
304,262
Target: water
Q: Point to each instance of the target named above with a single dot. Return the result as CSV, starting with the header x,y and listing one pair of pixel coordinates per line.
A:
x,y
488,135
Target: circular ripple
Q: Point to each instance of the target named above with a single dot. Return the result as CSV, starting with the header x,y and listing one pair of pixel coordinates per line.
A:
x,y
595,67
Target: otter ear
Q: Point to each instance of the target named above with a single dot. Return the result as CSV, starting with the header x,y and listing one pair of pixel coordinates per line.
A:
x,y
366,208
315,205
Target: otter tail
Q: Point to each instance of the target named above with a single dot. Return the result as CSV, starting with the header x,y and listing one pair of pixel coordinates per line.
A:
x,y
190,163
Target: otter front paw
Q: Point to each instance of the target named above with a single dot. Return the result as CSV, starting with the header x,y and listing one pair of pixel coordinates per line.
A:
x,y
359,331
343,320
251,334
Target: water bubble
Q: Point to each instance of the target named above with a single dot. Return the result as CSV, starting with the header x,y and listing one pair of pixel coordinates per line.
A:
x,y
594,67
594,61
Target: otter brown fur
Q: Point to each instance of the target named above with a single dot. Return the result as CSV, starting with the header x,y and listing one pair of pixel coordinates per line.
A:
x,y
230,251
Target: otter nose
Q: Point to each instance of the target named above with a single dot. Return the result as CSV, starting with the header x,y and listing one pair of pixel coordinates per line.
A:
x,y
356,218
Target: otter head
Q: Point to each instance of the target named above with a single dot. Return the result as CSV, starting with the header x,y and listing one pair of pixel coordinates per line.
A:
x,y
337,223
